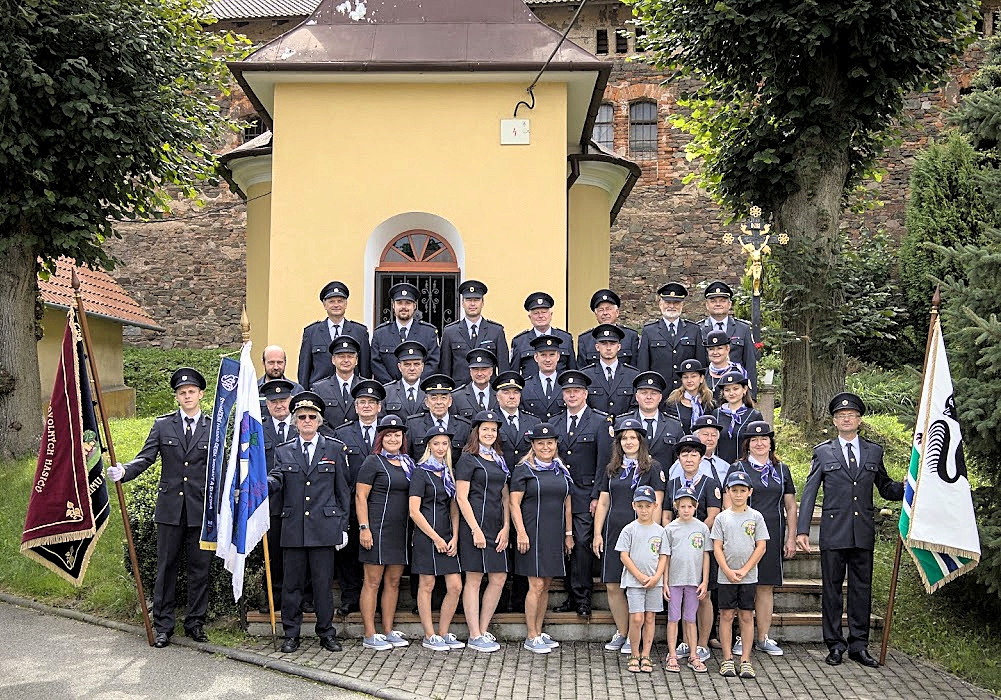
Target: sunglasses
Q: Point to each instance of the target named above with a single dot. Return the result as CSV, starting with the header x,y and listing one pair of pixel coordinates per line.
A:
x,y
307,416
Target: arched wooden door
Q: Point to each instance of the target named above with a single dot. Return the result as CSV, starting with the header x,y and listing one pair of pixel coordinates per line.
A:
x,y
427,261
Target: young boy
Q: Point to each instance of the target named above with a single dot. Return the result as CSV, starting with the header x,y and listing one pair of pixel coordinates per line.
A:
x,y
686,543
641,544
739,536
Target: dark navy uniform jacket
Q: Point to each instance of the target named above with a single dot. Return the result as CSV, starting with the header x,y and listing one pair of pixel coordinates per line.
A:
x,y
585,453
315,497
523,355
660,354
397,403
615,398
465,401
296,388
181,490
354,440
661,445
534,401
386,337
588,355
335,410
742,350
419,425
314,353
455,343
270,443
848,517
516,445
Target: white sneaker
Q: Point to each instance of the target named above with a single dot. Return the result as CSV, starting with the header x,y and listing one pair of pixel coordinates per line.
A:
x,y
769,647
483,644
396,639
703,653
682,649
434,643
550,642
537,645
453,642
617,641
627,648
738,646
377,642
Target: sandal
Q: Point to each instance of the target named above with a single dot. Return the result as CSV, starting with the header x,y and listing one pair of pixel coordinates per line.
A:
x,y
695,663
634,664
671,664
646,665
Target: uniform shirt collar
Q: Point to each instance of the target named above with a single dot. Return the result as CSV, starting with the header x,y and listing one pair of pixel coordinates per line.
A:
x,y
331,324
855,447
539,333
614,365
302,443
197,416
544,377
399,326
408,387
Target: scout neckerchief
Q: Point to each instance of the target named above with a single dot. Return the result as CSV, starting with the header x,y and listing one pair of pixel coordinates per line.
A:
x,y
630,467
496,456
405,462
555,466
736,417
697,409
766,471
435,467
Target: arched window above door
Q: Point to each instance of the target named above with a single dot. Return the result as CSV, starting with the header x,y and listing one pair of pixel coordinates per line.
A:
x,y
427,261
418,249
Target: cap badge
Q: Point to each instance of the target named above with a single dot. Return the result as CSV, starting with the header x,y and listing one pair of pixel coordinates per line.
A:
x,y
539,301
549,342
278,390
184,378
844,402
649,381
545,431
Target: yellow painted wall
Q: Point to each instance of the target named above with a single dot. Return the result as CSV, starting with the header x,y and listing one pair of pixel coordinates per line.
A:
x,y
349,156
258,267
589,251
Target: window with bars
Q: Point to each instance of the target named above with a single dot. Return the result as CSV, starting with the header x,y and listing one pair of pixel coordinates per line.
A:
x,y
254,128
621,41
643,127
601,46
604,127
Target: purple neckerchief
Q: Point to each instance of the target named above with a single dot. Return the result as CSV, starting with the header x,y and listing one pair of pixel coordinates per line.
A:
x,y
405,462
736,417
630,467
435,467
555,466
766,471
497,457
690,483
697,410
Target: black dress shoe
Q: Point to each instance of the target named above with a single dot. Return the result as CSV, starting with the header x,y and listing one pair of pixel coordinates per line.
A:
x,y
862,657
161,639
308,607
330,644
834,658
263,608
566,606
346,609
197,634
289,645
583,610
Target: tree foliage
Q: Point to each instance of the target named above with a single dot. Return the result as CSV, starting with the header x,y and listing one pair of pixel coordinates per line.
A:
x,y
979,114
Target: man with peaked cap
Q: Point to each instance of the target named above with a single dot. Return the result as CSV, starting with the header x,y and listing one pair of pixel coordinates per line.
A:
x,y
335,390
508,387
611,388
438,390
585,446
180,439
387,336
314,355
404,396
310,480
274,361
541,394
663,430
539,306
719,303
358,437
848,467
605,304
471,332
670,340
278,428
476,395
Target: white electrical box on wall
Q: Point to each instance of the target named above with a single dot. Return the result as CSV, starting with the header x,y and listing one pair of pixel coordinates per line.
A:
x,y
514,132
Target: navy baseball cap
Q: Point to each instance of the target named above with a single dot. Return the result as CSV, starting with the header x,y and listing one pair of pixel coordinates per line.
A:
x,y
644,494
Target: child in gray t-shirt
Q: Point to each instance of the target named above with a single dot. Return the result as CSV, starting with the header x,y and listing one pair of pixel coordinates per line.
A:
x,y
687,545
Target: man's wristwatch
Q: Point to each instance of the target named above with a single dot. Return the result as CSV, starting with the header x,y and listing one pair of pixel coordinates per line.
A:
x,y
363,527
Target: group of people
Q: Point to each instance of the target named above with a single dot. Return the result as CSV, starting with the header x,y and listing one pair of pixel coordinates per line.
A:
x,y
471,465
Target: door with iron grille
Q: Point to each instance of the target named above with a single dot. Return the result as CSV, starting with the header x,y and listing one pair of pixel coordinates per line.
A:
x,y
426,261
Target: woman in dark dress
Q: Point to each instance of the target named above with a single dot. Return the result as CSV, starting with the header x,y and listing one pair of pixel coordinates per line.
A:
x,y
693,398
436,537
382,500
540,509
481,490
735,413
631,466
774,496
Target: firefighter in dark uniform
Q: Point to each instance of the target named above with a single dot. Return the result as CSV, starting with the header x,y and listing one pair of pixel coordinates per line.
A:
x,y
541,395
539,306
180,439
314,353
471,332
274,361
438,390
335,390
278,428
358,437
605,304
585,442
611,378
310,480
404,397
719,302
670,340
476,395
848,467
663,430
404,326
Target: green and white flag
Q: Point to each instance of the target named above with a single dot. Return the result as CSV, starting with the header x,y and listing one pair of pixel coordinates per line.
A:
x,y
937,523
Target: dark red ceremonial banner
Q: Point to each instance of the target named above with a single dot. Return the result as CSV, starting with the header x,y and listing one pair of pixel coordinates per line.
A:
x,y
68,507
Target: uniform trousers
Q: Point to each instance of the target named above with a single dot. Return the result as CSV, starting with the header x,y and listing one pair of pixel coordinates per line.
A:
x,y
302,564
350,571
171,541
582,559
858,565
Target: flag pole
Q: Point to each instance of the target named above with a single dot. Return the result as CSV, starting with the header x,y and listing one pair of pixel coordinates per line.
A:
x,y
95,378
245,330
936,300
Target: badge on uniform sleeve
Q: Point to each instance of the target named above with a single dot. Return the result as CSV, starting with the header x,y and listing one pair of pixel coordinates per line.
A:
x,y
611,431
718,495
662,477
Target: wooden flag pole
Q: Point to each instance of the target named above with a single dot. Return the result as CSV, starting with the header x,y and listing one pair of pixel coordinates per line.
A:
x,y
95,378
936,300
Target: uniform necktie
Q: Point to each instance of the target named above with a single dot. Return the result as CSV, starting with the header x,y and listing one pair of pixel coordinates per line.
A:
x,y
608,370
345,394
410,400
512,420
472,335
403,334
368,437
189,429
483,405
649,428
337,330
281,431
719,325
549,387
573,424
305,450
670,330
439,422
852,462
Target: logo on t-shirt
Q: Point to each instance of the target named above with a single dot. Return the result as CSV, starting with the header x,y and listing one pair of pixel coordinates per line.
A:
x,y
697,540
749,528
655,545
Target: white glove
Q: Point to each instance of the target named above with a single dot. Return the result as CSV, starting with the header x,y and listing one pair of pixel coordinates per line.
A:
x,y
116,471
343,544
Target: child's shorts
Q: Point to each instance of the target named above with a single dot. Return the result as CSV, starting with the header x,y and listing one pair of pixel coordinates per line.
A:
x,y
736,596
684,603
645,599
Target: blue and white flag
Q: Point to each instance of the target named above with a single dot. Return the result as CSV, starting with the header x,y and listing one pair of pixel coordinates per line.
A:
x,y
243,514
225,397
